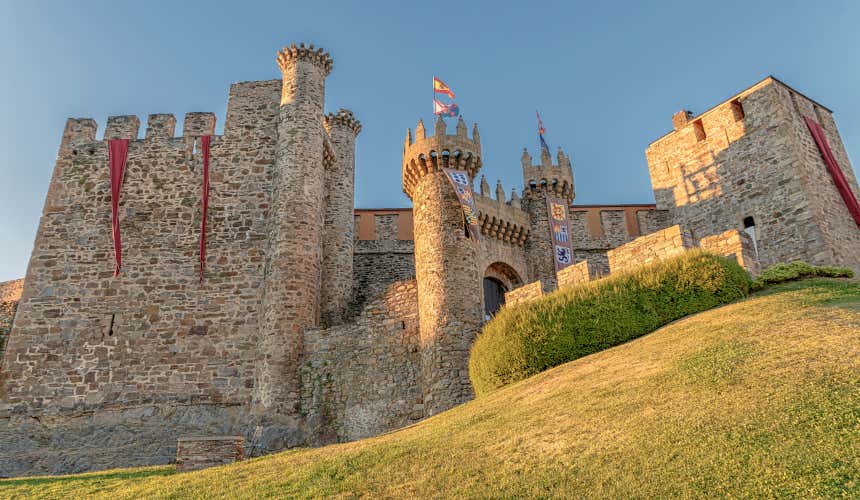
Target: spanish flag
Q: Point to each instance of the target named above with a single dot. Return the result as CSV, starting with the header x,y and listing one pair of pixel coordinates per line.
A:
x,y
440,88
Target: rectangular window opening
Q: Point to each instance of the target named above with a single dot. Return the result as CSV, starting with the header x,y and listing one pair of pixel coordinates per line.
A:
x,y
737,110
699,130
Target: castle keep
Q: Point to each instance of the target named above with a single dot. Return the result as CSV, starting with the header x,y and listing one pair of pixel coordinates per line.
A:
x,y
316,322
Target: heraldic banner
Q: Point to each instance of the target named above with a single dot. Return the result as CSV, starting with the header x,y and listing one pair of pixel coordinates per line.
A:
x,y
560,229
460,180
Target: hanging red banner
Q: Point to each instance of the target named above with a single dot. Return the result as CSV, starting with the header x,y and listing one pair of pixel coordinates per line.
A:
x,y
562,251
833,167
204,147
117,154
460,180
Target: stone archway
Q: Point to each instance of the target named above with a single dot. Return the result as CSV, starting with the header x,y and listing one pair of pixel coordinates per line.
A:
x,y
499,278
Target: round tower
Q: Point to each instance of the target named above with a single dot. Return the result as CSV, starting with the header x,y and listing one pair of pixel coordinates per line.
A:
x,y
539,182
449,285
294,252
338,237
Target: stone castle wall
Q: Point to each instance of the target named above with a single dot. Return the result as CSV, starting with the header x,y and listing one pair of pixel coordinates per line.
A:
x,y
596,229
753,156
154,334
120,367
525,293
650,248
581,272
363,378
384,252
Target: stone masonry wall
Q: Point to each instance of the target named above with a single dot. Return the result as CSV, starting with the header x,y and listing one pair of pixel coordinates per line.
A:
x,y
752,156
735,244
363,378
650,248
525,293
598,229
384,253
581,272
839,230
129,363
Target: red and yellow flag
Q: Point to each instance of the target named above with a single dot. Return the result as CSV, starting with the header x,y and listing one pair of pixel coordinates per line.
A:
x,y
440,88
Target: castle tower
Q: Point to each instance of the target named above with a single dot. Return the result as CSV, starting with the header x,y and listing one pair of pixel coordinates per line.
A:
x,y
540,181
339,217
752,164
291,293
449,286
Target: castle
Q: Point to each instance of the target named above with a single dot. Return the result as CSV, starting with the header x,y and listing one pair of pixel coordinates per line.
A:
x,y
316,322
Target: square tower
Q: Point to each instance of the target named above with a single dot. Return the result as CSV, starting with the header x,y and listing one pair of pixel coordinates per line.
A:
x,y
751,163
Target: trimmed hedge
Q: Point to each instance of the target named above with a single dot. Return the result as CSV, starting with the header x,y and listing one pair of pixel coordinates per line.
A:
x,y
529,338
796,270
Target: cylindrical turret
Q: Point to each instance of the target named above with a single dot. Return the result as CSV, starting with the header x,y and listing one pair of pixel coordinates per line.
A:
x,y
449,284
294,252
541,181
339,217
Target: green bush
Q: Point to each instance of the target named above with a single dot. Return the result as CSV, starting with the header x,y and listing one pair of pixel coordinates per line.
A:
x,y
796,270
526,339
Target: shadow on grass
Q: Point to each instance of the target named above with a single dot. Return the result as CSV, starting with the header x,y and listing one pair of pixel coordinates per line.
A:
x,y
89,477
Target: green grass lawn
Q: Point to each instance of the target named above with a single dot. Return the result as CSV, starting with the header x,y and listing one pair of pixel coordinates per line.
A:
x,y
757,398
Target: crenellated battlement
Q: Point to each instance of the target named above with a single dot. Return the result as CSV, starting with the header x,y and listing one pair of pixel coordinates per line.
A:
x,y
423,154
555,178
159,127
289,55
344,118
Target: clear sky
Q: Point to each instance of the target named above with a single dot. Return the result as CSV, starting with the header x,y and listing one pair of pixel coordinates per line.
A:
x,y
607,77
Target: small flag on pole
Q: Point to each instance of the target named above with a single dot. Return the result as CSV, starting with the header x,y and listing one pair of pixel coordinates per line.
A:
x,y
541,131
439,87
440,108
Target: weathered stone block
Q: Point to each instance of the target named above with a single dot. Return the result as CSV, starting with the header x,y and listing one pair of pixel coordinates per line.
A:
x,y
194,453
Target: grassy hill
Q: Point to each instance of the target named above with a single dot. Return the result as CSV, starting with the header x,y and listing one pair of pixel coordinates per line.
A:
x,y
757,398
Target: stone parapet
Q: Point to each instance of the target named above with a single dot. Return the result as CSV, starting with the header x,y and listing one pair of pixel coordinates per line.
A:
x,y
525,293
650,248
581,272
735,244
194,453
423,154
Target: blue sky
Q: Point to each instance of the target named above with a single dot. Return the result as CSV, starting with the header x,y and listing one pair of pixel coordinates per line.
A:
x,y
607,77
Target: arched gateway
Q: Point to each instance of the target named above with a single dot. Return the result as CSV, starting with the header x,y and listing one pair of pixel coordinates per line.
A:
x,y
499,278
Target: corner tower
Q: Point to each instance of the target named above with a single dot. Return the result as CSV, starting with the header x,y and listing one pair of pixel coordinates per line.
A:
x,y
291,292
449,285
539,182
